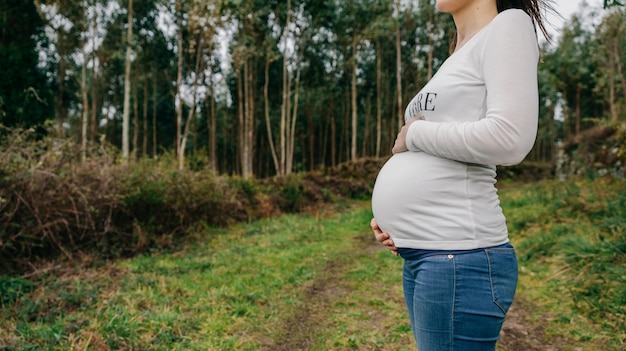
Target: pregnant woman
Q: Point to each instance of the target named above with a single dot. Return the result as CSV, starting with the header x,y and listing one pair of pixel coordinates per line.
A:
x,y
435,203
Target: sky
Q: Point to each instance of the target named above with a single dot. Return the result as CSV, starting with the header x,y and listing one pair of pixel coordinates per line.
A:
x,y
566,8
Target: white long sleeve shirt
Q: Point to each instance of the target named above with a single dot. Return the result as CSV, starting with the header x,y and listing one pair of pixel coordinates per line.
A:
x,y
479,110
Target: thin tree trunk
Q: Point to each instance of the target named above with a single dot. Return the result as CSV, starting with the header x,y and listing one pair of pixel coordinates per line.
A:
x,y
379,98
154,116
399,76
144,144
93,125
212,124
268,124
179,83
127,71
240,118
192,110
294,116
135,122
353,99
333,140
85,102
287,107
284,112
310,120
59,106
366,128
248,130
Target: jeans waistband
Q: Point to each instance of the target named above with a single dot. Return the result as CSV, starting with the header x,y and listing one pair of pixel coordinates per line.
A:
x,y
416,254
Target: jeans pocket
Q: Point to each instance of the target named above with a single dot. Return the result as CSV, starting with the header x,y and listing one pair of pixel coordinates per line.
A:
x,y
503,272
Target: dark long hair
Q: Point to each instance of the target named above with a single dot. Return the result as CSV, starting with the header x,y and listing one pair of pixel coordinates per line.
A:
x,y
533,8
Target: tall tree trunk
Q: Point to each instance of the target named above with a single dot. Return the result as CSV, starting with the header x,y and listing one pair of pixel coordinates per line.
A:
x,y
135,122
179,83
247,119
366,127
268,124
192,110
333,140
212,124
127,67
353,99
144,144
400,116
294,113
285,108
379,98
154,116
311,137
60,110
93,125
85,102
240,118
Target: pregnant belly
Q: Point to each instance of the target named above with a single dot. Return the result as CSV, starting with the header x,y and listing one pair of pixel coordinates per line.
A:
x,y
420,194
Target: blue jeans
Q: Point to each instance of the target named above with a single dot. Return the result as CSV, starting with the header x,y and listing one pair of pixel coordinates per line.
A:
x,y
458,302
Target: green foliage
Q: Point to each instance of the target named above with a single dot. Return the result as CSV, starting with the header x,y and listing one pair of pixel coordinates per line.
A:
x,y
13,288
25,96
610,3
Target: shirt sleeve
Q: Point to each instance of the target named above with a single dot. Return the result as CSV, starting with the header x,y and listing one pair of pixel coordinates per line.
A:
x,y
507,132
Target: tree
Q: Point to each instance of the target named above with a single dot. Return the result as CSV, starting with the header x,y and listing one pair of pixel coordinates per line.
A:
x,y
610,35
25,95
127,84
574,69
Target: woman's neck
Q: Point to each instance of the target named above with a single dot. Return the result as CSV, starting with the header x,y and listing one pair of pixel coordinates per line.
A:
x,y
471,19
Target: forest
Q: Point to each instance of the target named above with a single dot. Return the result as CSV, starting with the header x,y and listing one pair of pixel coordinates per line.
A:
x,y
197,175
264,88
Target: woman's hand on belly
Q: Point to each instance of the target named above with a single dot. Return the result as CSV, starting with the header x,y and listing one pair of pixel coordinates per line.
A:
x,y
383,237
400,143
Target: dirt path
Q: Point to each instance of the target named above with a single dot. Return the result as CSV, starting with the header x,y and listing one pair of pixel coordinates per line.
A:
x,y
519,335
298,332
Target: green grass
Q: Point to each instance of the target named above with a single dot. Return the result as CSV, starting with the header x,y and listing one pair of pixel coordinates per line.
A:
x,y
571,242
318,282
250,287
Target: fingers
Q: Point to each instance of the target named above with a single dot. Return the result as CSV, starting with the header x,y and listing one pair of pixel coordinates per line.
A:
x,y
383,238
400,143
374,224
391,246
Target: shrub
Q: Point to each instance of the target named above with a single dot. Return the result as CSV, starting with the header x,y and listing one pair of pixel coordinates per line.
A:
x,y
55,203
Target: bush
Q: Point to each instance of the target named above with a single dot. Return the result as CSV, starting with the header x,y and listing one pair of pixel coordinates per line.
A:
x,y
55,203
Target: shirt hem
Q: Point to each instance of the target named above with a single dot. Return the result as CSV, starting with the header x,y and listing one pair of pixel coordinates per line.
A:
x,y
449,245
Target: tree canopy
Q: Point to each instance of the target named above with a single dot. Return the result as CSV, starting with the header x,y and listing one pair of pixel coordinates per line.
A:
x,y
260,88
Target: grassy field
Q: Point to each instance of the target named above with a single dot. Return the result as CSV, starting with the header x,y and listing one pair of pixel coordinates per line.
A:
x,y
318,281
571,242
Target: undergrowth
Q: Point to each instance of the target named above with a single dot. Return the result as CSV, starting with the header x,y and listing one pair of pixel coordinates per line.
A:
x,y
55,202
571,242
